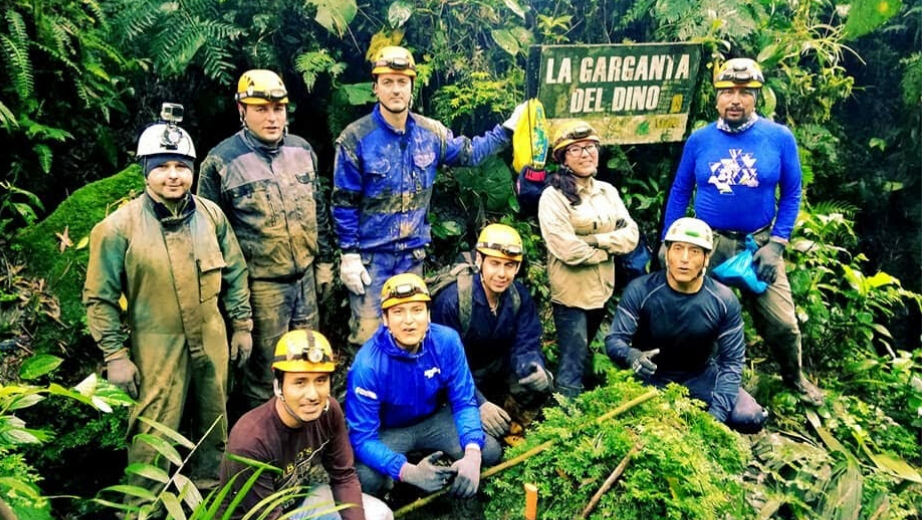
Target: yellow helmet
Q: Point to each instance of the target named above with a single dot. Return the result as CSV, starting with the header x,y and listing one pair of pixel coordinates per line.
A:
x,y
739,72
260,87
394,60
403,288
572,132
501,241
303,351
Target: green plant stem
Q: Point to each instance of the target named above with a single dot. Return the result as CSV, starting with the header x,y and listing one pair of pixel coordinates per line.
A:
x,y
421,502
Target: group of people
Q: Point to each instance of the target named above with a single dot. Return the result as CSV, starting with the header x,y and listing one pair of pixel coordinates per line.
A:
x,y
434,386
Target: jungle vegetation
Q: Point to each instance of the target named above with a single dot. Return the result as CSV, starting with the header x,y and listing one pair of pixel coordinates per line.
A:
x,y
83,78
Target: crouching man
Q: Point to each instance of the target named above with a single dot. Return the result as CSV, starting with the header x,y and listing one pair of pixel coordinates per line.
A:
x,y
691,325
297,429
410,390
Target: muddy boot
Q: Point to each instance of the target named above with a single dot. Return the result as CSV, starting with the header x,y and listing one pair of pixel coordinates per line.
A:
x,y
809,393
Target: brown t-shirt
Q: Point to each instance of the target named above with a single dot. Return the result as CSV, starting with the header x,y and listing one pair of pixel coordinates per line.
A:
x,y
261,435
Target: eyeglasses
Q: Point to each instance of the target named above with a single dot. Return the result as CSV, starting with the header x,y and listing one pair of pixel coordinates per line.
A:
x,y
276,94
396,64
576,150
405,290
506,249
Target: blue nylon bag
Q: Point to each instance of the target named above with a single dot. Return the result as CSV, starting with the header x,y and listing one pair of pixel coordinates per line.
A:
x,y
738,271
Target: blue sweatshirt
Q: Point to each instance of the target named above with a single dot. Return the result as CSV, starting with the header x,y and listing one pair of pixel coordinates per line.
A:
x,y
388,387
737,176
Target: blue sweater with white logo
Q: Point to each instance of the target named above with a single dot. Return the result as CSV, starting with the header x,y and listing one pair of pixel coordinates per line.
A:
x,y
388,387
737,176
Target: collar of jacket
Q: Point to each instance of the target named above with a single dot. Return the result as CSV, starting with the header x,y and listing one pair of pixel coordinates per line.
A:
x,y
169,218
269,150
376,115
389,345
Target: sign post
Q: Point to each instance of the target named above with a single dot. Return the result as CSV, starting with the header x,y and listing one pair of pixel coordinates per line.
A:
x,y
631,94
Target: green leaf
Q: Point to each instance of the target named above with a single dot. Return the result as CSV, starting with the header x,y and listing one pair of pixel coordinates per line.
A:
x,y
515,8
172,505
506,41
866,15
399,12
134,491
148,471
162,447
25,401
359,93
37,366
877,142
27,490
168,432
335,15
896,467
187,490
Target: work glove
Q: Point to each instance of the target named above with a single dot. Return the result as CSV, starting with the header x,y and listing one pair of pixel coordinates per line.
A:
x,y
468,478
122,373
495,420
323,279
539,379
640,361
513,120
353,274
767,258
427,475
241,346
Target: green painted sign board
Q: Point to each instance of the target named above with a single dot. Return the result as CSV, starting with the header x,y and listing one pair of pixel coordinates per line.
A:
x,y
631,94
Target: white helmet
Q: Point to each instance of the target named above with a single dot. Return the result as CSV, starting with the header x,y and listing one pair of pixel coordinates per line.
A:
x,y
692,231
165,138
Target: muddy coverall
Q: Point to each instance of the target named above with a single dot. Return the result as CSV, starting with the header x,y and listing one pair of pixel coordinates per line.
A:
x,y
171,271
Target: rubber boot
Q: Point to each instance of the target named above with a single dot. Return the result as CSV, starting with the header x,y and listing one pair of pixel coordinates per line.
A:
x,y
788,353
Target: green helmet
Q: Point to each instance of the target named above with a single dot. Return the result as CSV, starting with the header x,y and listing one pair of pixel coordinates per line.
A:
x,y
691,231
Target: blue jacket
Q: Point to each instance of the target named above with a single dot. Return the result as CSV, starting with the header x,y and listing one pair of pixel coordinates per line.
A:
x,y
382,179
736,176
387,387
495,344
692,332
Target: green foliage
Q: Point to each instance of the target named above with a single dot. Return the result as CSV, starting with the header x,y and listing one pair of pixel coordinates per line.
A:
x,y
56,247
15,435
866,15
688,465
829,273
178,495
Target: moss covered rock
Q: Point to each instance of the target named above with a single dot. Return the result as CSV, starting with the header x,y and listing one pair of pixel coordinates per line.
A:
x,y
69,227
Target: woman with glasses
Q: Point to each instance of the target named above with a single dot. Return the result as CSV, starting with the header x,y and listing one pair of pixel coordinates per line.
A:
x,y
584,224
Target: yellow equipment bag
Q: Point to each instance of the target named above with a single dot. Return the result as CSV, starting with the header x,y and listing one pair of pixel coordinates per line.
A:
x,y
530,139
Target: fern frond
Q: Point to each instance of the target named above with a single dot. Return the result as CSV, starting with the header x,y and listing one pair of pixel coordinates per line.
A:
x,y
97,13
17,28
312,64
20,66
134,18
828,207
216,64
7,118
44,156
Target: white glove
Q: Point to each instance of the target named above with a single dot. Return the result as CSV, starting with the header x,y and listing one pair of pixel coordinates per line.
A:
x,y
513,120
495,420
353,274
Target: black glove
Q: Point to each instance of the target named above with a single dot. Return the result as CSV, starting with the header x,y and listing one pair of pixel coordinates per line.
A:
x,y
427,475
122,373
640,361
768,257
468,478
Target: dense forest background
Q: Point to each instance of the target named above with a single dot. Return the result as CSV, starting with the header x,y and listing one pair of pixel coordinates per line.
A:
x,y
84,78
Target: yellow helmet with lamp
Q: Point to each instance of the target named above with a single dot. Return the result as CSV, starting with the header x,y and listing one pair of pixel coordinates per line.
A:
x,y
260,87
403,288
393,60
303,351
